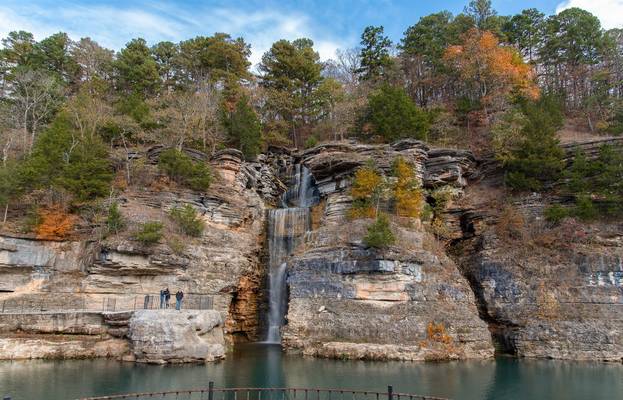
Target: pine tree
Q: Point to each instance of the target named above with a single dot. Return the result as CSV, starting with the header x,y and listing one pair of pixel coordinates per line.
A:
x,y
182,169
538,157
136,69
243,128
62,159
379,234
374,54
392,115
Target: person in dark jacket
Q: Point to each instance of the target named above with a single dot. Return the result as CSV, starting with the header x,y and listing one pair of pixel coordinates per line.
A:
x,y
167,297
161,298
178,299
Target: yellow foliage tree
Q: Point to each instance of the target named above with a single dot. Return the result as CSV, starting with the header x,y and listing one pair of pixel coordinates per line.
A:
x,y
407,193
491,71
366,188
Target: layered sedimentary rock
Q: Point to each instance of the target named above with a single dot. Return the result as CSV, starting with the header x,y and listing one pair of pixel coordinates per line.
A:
x,y
332,164
407,303
93,273
551,293
163,336
58,335
546,290
541,291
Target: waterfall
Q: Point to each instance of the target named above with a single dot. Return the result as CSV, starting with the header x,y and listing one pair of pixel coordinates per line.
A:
x,y
286,228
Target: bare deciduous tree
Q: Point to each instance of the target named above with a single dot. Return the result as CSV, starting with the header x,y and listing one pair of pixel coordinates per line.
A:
x,y
88,112
35,96
344,68
93,59
191,115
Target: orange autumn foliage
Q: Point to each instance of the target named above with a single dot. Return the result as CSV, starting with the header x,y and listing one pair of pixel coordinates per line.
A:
x,y
437,333
491,69
55,224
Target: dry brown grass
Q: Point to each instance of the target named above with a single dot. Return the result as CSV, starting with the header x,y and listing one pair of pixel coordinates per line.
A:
x,y
576,130
433,245
317,212
511,225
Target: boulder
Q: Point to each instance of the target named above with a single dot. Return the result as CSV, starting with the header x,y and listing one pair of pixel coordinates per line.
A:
x,y
169,336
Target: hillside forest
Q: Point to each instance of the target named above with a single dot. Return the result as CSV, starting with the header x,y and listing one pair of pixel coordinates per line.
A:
x,y
73,112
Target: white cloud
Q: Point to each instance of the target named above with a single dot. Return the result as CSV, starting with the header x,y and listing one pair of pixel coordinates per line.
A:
x,y
113,26
11,21
609,12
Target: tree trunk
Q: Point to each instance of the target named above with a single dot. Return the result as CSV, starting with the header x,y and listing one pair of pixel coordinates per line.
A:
x,y
590,123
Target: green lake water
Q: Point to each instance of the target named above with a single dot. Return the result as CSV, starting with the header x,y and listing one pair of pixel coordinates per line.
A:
x,y
267,366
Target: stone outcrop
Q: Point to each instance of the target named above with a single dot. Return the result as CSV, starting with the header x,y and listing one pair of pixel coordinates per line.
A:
x,y
353,303
24,347
448,167
407,303
58,335
166,336
333,164
90,272
556,295
546,291
590,148
152,336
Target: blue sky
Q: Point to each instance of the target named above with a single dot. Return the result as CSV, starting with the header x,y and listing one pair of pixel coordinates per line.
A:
x,y
331,24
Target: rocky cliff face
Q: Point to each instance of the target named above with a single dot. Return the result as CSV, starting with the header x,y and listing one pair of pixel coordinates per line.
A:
x,y
224,263
499,277
62,335
407,303
549,292
546,291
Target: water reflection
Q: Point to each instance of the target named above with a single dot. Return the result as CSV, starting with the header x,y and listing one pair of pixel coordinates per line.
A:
x,y
257,366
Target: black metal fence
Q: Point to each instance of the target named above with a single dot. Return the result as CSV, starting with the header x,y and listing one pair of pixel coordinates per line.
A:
x,y
212,393
107,304
189,302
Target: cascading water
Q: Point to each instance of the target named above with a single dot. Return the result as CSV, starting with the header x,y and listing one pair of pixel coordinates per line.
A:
x,y
286,228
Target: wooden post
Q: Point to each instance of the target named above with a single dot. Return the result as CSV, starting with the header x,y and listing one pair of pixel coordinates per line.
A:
x,y
390,392
211,390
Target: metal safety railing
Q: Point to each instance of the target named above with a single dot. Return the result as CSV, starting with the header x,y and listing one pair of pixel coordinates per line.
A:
x,y
212,393
107,304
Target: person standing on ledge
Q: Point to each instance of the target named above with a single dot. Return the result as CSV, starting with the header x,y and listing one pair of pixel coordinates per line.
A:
x,y
167,297
161,298
178,299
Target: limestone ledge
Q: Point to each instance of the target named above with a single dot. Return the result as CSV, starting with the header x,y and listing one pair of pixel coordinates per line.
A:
x,y
56,346
152,336
386,352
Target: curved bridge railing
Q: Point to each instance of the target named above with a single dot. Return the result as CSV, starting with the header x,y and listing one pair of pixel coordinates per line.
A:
x,y
212,393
